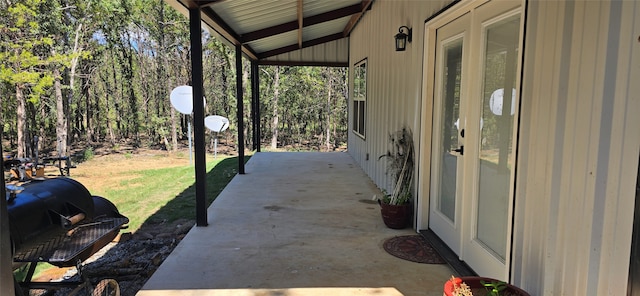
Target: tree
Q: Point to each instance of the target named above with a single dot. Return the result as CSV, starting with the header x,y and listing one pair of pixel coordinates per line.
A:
x,y
274,114
101,72
70,22
25,57
329,99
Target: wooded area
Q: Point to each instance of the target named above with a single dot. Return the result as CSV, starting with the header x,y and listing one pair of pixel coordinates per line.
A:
x,y
100,73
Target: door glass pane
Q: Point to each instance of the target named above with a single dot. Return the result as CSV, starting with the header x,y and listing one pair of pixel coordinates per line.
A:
x,y
496,142
452,68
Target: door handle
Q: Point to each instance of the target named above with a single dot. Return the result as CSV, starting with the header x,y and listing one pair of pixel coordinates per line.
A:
x,y
460,150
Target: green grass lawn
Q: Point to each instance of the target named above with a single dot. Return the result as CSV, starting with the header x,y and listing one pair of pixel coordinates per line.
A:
x,y
167,194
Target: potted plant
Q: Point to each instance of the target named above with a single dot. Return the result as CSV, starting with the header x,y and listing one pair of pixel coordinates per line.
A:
x,y
475,285
395,206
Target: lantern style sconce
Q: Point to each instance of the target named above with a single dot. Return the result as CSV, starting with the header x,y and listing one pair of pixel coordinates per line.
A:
x,y
402,38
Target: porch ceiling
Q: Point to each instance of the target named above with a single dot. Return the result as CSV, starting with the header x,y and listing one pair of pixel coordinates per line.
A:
x,y
268,29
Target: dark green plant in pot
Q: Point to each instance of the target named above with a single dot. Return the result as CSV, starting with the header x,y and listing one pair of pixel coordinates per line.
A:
x,y
494,288
400,164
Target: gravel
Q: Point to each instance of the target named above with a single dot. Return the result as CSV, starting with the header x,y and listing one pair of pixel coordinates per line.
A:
x,y
130,260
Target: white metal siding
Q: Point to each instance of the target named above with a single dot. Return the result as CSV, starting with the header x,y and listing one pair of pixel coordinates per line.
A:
x,y
330,52
579,138
579,148
394,79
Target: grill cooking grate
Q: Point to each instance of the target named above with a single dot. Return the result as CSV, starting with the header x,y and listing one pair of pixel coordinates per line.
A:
x,y
61,246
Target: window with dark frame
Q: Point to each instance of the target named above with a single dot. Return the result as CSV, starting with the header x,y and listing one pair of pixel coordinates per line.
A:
x,y
359,97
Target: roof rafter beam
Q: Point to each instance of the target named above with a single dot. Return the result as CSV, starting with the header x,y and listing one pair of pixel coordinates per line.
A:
x,y
307,21
214,21
302,63
366,5
206,3
293,47
300,22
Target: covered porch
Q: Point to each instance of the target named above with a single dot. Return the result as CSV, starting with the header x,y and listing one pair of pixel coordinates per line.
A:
x,y
296,223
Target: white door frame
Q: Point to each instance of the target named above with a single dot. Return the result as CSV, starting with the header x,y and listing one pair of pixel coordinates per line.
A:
x,y
428,88
427,126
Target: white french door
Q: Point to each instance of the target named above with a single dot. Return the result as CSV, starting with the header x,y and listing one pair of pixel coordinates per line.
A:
x,y
476,65
446,179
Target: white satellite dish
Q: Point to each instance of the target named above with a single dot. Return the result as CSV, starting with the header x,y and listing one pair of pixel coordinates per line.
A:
x,y
457,123
182,99
216,123
495,102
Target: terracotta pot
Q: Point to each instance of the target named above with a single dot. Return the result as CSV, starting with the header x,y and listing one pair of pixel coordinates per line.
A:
x,y
474,283
396,216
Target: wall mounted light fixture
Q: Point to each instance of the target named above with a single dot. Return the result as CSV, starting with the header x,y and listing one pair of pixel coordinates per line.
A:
x,y
402,38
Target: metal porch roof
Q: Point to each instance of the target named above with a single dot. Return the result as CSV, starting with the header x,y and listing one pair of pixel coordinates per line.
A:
x,y
283,31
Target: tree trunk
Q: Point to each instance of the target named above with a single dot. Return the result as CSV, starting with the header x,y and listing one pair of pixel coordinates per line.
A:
x,y
328,126
30,117
134,122
1,128
163,75
61,118
247,127
274,126
108,97
42,133
88,109
174,130
77,48
117,97
21,119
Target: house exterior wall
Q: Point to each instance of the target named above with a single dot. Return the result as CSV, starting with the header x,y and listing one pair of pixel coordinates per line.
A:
x,y
394,79
331,52
579,133
579,147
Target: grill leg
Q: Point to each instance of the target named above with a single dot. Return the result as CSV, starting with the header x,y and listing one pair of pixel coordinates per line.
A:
x,y
18,288
30,272
77,286
86,283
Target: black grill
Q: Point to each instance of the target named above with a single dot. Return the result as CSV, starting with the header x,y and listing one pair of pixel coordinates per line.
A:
x,y
65,247
58,221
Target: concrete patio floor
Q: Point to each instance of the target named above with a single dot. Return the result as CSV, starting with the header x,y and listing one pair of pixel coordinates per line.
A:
x,y
297,223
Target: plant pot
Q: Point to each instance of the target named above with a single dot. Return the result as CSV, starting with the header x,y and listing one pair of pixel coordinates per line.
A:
x,y
396,216
476,286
